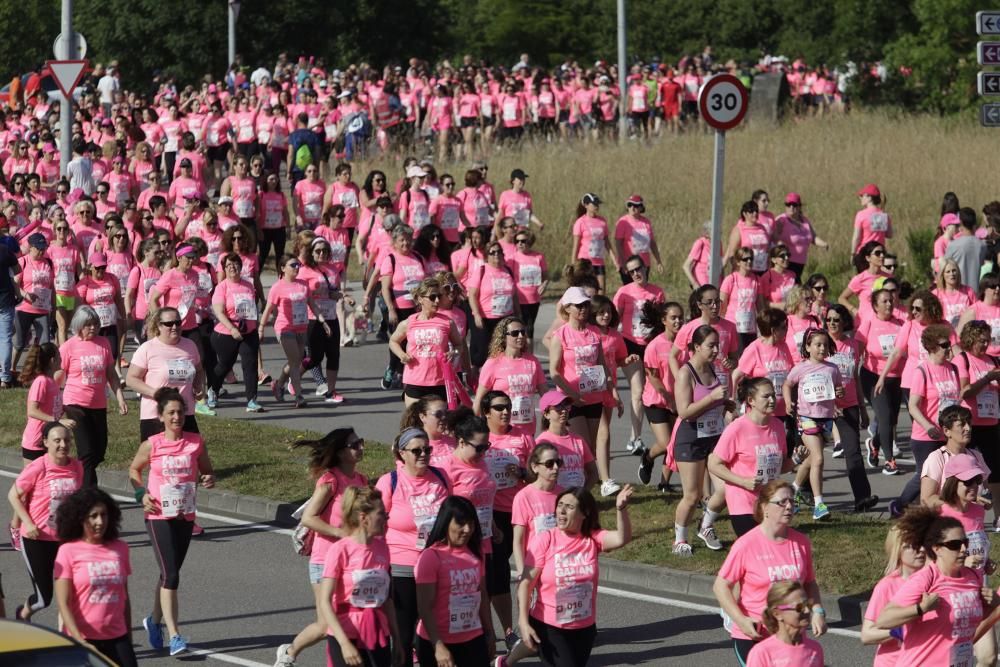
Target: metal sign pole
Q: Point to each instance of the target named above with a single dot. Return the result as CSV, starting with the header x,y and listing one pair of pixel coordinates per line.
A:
x,y
66,106
715,261
622,76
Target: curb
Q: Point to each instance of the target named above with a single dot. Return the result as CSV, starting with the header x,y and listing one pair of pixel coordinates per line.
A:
x,y
840,609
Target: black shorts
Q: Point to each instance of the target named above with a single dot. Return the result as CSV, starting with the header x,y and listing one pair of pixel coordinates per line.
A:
x,y
563,116
599,270
218,153
592,411
468,121
639,116
635,348
32,454
658,415
417,391
689,448
689,108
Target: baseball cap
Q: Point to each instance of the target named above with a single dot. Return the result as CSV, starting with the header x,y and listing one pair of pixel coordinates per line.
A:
x,y
97,259
793,198
551,399
186,163
518,173
225,200
415,171
574,295
963,466
634,200
949,219
871,190
39,241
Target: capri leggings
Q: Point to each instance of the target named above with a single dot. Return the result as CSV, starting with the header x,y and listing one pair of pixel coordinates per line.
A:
x,y
269,237
40,557
563,648
119,650
529,313
378,657
404,598
499,581
322,346
170,539
886,406
23,322
473,653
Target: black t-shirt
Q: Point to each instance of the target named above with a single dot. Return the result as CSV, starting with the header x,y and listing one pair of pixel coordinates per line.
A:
x,y
8,267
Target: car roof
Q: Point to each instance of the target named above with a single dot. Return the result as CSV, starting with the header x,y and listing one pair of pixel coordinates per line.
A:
x,y
25,637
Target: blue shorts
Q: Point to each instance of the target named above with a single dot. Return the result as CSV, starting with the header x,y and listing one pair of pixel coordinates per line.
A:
x,y
815,426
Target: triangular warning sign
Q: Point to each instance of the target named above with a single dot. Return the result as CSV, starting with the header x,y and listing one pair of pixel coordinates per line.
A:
x,y
67,74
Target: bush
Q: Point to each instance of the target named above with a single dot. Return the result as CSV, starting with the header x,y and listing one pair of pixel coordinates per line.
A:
x,y
920,241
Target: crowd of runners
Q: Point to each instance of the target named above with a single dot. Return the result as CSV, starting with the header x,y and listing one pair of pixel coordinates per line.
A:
x,y
139,270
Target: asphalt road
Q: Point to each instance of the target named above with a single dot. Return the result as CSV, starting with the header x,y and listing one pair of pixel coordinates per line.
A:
x,y
244,592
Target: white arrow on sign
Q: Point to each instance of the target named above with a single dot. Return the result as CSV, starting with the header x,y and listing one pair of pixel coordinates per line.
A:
x,y
989,115
988,23
988,83
988,53
67,74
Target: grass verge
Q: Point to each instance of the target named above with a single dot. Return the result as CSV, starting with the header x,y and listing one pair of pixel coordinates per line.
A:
x,y
249,458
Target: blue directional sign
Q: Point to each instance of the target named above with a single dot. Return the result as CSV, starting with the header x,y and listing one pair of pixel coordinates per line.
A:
x,y
988,23
989,115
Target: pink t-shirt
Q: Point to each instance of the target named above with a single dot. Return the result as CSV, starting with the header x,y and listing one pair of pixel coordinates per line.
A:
x,y
582,366
938,387
700,256
407,271
574,452
87,364
908,344
797,237
168,366
44,391
474,481
412,508
179,290
943,635
593,235
288,299
140,279
239,302
567,585
46,485
861,285
887,653
529,269
442,449
774,286
458,578
517,205
817,382
426,343
346,196
322,281
636,235
444,212
66,261
308,197
990,315
363,581
874,223
774,362
507,449
173,475
936,461
629,300
954,302
757,238
984,405
846,356
753,451
755,562
102,296
878,337
657,356
535,509
496,291
333,512
98,574
729,343
519,378
271,208
36,278
742,293
772,652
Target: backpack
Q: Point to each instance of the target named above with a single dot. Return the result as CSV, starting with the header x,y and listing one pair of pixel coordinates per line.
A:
x,y
303,156
394,478
303,537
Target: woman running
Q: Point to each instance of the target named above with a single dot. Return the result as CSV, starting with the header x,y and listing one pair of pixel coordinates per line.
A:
x,y
786,619
513,370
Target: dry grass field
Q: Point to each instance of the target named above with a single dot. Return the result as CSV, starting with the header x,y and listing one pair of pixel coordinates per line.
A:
x,y
914,160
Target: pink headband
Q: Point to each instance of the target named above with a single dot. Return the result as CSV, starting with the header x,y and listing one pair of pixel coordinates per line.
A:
x,y
184,250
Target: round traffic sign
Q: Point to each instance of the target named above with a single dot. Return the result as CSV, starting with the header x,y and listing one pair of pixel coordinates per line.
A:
x,y
723,102
59,47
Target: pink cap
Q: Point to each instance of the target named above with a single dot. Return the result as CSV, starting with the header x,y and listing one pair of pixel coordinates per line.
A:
x,y
212,88
871,190
552,398
963,466
949,219
98,259
793,198
634,200
574,295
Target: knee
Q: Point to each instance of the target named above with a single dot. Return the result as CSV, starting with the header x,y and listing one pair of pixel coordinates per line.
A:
x,y
170,581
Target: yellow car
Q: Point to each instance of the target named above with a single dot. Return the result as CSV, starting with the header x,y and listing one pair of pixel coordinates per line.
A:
x,y
27,645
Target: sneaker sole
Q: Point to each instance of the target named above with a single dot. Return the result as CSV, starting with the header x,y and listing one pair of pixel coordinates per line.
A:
x,y
822,517
709,545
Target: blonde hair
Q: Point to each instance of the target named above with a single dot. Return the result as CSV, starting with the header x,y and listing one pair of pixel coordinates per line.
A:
x,y
358,500
893,550
498,344
775,596
946,264
302,241
794,298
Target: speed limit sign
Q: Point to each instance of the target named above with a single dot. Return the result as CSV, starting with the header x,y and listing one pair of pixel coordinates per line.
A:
x,y
723,102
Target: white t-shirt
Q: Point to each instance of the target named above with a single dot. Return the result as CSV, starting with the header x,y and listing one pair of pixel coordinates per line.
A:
x,y
80,171
108,86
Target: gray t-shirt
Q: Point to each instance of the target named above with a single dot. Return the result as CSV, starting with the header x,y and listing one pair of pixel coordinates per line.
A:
x,y
968,251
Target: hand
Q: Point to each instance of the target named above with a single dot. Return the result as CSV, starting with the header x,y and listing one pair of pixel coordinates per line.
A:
x,y
719,393
29,530
208,481
879,386
68,423
478,320
632,359
621,501
442,655
928,601
750,483
350,653
236,334
747,626
935,433
497,537
838,392
728,363
864,418
122,404
150,505
198,393
406,359
620,406
326,328
394,318
529,636
818,625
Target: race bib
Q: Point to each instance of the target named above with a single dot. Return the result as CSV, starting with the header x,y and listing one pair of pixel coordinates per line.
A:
x,y
300,312
204,284
887,342
449,218
107,313
510,111
543,522
759,261
986,404
529,275
312,211
463,612
592,379
338,253
64,281
640,242
501,305
179,372
522,410
817,387
979,547
177,499
424,526
777,378
349,199
879,222
485,515
746,322
498,464
709,424
188,292
245,306
327,308
574,602
43,298
370,588
768,464
962,655
243,208
272,219
595,248
147,284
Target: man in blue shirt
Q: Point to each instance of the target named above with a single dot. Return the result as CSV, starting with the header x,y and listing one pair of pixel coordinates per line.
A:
x,y
303,138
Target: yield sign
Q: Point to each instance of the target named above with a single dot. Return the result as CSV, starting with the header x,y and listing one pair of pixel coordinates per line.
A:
x,y
67,74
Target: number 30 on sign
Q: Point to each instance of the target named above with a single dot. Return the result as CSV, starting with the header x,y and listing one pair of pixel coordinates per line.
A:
x,y
723,102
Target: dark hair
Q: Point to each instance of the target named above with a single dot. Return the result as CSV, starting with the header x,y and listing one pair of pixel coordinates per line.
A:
x,y
422,245
166,395
860,260
73,511
933,333
952,414
949,204
412,412
325,453
764,495
749,386
757,194
587,505
599,303
973,331
536,457
846,319
932,305
51,426
37,361
749,207
924,526
653,313
811,333
468,426
815,278
967,216
484,403
463,512
234,258
694,301
775,595
989,281
699,335
770,319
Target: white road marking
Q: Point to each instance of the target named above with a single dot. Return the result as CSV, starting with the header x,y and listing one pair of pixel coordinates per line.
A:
x,y
222,657
694,606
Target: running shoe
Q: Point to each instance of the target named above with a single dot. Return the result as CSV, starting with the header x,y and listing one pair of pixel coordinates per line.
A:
x,y
665,487
895,449
872,452
15,538
197,530
711,540
290,388
322,389
283,659
278,392
178,644
202,409
254,406
866,504
154,633
996,525
397,381
501,661
890,468
300,403
510,640
212,400
635,446
264,380
896,509
386,382
646,468
838,450
610,487
803,497
682,550
820,512
334,398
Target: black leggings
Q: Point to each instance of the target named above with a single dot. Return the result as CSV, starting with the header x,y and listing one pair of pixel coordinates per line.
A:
x,y
479,340
91,437
742,648
394,363
267,238
529,313
119,650
742,523
226,350
473,653
322,346
40,557
848,425
111,333
563,648
170,539
886,407
201,336
404,599
499,581
377,657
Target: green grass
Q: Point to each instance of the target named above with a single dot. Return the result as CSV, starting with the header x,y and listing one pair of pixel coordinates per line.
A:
x,y
249,458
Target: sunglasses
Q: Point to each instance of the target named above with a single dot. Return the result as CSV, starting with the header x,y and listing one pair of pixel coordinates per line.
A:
x,y
917,309
62,229
295,265
552,463
517,333
783,255
495,253
748,258
432,297
635,270
520,241
448,185
974,482
237,237
170,323
500,407
889,267
562,407
438,414
878,253
955,545
321,251
833,320
821,288
784,502
357,444
944,345
479,448
419,451
801,608
167,242
710,302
